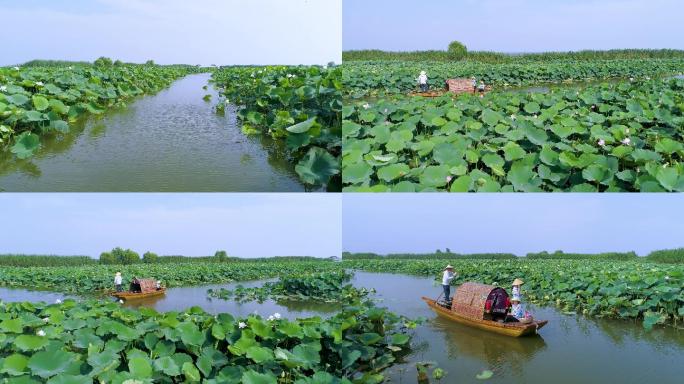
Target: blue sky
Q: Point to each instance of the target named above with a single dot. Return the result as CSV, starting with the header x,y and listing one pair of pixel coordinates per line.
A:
x,y
173,31
512,25
467,223
245,225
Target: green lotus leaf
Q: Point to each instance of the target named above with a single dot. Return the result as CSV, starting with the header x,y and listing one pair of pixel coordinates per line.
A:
x,y
253,377
259,354
484,375
191,373
30,342
357,173
50,362
434,176
140,367
302,127
392,172
14,364
317,166
12,325
40,103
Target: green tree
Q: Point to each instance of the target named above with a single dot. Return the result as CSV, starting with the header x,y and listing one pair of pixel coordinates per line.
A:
x,y
221,256
118,63
150,62
125,256
103,62
149,257
107,258
457,51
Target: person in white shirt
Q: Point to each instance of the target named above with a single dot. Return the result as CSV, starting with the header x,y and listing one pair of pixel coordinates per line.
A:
x,y
422,81
117,282
447,276
515,291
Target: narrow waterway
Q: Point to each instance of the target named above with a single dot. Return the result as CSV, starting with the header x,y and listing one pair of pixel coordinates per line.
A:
x,y
172,141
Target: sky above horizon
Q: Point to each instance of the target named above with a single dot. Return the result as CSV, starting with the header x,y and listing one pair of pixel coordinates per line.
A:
x,y
512,25
205,32
189,224
512,223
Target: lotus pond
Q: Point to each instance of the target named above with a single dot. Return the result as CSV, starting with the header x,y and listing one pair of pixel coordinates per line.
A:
x,y
170,141
624,136
138,342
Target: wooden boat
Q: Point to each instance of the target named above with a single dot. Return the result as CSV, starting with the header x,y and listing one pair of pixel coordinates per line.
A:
x,y
127,295
468,307
140,289
428,93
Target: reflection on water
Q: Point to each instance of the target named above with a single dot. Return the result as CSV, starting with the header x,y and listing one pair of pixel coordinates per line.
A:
x,y
569,349
171,141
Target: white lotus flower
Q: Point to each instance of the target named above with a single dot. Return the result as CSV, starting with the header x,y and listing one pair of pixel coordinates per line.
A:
x,y
535,116
16,68
631,79
39,83
277,315
271,318
121,301
325,66
626,141
41,333
58,301
366,106
667,277
665,165
513,117
46,319
70,67
627,131
242,325
3,88
386,110
602,143
448,179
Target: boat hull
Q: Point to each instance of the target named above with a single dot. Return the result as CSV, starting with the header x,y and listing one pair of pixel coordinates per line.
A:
x,y
508,329
135,296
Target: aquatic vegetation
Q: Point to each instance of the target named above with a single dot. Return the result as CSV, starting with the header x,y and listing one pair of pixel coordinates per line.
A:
x,y
328,287
93,278
620,289
362,79
611,137
76,342
40,100
300,105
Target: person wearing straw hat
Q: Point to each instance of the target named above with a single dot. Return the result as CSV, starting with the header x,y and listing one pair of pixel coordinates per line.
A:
x,y
518,313
117,282
422,81
515,291
447,276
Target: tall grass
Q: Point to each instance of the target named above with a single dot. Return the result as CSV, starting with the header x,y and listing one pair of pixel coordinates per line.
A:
x,y
21,260
667,256
560,255
426,256
498,57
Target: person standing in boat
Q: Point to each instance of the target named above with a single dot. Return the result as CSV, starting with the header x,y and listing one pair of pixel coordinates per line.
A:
x,y
117,282
422,81
447,276
515,291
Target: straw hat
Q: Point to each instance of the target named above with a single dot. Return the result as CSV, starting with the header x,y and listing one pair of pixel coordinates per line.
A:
x,y
449,267
518,282
422,72
118,273
515,298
